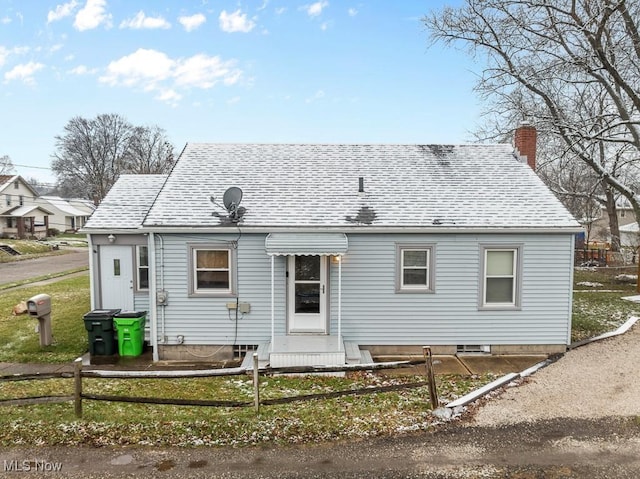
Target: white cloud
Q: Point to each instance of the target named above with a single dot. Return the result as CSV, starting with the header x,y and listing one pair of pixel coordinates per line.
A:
x,y
92,15
316,8
316,96
281,10
169,96
352,12
141,21
192,22
324,26
235,22
24,72
233,101
61,11
15,51
83,70
143,67
152,70
5,20
56,47
204,72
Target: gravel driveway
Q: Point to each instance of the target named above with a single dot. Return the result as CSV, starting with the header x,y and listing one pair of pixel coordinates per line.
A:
x,y
594,381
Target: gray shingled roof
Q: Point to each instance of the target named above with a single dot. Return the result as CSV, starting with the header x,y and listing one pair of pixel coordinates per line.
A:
x,y
127,202
448,186
466,186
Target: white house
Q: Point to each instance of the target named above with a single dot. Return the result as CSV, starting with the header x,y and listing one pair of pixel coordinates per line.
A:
x,y
22,215
67,215
314,253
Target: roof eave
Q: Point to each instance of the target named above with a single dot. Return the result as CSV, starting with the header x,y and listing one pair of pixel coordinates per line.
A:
x,y
568,229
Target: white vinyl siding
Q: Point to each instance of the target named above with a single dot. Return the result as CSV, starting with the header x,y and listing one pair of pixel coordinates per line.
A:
x,y
373,313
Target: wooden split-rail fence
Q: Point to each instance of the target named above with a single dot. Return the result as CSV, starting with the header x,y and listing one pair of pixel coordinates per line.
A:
x,y
79,373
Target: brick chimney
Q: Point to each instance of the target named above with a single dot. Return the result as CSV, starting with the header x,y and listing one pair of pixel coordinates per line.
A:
x,y
525,143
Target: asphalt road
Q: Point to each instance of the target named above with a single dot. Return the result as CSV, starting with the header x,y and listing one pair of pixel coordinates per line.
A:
x,y
32,268
561,448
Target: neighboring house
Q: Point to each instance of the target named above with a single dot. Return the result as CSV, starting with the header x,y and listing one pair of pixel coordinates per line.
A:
x,y
599,228
22,215
68,215
338,249
630,242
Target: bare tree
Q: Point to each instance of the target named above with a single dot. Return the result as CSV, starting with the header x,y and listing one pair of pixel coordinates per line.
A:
x,y
574,65
92,153
6,166
149,151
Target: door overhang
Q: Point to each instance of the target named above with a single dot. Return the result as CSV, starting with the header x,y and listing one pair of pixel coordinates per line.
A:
x,y
311,244
307,244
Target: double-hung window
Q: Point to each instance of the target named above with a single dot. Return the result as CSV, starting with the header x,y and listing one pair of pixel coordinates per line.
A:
x,y
414,265
501,277
143,268
211,270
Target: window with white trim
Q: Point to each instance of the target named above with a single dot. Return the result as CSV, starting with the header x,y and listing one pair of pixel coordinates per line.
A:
x,y
211,271
414,268
142,258
501,277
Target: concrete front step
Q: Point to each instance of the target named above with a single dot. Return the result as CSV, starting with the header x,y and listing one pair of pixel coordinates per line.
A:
x,y
290,351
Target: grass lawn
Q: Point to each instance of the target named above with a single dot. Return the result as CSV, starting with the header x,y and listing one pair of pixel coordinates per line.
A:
x,y
69,303
597,303
108,423
27,249
30,249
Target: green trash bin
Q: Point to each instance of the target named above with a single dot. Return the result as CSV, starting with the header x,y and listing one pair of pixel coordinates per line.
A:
x,y
129,326
102,337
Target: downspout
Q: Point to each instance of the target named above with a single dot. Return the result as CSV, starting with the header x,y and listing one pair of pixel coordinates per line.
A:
x,y
339,303
570,305
273,296
92,274
153,306
162,287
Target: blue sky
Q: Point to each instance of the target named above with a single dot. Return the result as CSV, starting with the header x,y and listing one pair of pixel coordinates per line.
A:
x,y
268,71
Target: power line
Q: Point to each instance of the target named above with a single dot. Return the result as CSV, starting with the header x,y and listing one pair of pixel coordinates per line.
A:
x,y
37,167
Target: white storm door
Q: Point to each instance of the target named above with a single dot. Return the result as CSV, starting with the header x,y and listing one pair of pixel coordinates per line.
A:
x,y
116,277
307,294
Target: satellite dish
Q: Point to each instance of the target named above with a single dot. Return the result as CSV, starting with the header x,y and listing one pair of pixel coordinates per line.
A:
x,y
231,200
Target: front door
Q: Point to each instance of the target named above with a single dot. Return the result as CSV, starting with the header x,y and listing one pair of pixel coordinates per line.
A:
x,y
307,294
116,277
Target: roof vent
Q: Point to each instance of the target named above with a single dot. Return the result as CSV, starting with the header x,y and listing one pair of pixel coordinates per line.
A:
x,y
361,184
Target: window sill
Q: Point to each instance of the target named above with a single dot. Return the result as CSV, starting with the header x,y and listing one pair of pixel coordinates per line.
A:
x,y
496,307
415,291
222,294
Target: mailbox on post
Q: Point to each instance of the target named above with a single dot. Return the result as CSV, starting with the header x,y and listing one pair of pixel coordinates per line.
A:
x,y
40,307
